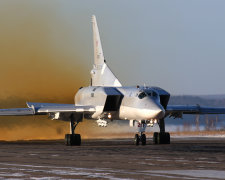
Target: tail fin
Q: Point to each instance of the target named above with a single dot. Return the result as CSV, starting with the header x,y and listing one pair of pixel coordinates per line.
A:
x,y
101,74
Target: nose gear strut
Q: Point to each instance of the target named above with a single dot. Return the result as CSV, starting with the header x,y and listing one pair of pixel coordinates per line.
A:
x,y
141,126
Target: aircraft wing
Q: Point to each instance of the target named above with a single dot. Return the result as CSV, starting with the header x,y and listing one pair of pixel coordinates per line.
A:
x,y
45,108
177,111
16,112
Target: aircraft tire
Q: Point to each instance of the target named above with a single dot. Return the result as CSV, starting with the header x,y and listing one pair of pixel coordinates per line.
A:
x,y
136,139
73,139
78,139
143,139
67,139
155,138
161,138
167,138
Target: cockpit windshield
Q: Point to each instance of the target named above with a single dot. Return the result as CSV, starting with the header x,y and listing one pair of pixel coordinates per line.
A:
x,y
142,95
150,93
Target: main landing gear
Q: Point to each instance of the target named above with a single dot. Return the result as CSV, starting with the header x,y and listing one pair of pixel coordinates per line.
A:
x,y
161,137
74,139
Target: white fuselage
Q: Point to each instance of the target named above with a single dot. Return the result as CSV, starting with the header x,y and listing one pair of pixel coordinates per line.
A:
x,y
133,105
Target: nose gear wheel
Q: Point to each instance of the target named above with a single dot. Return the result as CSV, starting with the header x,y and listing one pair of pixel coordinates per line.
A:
x,y
138,139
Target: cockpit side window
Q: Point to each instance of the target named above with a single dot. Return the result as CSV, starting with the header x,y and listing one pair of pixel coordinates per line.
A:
x,y
142,95
149,93
152,93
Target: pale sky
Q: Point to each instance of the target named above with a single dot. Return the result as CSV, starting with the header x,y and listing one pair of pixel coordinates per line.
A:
x,y
178,45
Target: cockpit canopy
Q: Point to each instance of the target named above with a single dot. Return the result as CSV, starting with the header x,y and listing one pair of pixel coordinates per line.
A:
x,y
142,94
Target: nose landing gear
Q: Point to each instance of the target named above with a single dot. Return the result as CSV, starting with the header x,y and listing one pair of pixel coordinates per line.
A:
x,y
143,139
138,139
161,137
141,126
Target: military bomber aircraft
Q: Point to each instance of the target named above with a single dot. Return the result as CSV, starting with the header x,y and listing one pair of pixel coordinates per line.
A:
x,y
106,100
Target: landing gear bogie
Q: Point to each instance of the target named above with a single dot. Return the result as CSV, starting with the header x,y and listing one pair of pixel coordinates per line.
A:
x,y
161,138
73,139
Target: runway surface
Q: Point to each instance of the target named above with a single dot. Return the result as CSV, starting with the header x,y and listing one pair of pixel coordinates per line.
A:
x,y
184,158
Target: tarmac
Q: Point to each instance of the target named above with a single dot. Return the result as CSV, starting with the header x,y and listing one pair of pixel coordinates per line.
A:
x,y
184,158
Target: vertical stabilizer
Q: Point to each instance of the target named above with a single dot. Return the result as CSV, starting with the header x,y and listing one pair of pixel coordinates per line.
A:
x,y
101,74
98,52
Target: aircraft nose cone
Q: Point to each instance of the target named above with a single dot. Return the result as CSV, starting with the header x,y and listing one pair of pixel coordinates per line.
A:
x,y
159,113
154,110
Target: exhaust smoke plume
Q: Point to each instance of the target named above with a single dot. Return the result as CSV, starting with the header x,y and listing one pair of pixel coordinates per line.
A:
x,y
41,60
38,63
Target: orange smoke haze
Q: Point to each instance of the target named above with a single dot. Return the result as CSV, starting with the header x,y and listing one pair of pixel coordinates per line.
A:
x,y
38,62
36,57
